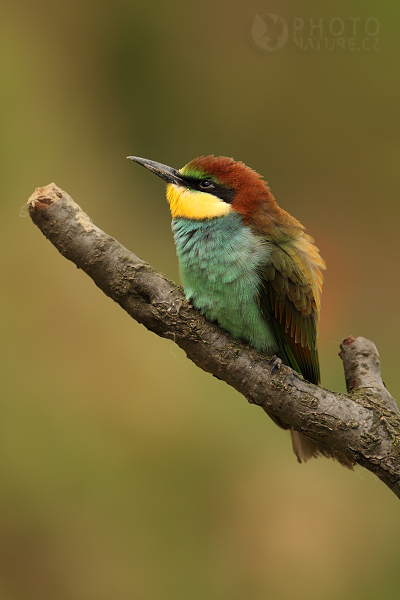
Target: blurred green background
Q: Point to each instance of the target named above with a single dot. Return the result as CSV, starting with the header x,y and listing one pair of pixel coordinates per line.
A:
x,y
126,472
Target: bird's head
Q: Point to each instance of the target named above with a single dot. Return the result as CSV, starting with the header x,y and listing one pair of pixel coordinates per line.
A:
x,y
212,186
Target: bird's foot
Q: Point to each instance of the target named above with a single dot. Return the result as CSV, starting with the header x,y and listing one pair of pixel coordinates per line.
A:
x,y
276,363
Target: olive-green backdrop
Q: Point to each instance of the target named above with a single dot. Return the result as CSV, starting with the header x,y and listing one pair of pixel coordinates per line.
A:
x,y
125,472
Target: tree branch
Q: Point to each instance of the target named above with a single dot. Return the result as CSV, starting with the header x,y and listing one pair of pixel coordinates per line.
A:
x,y
361,427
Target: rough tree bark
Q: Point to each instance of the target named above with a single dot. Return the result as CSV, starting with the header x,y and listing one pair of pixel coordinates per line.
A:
x,y
361,427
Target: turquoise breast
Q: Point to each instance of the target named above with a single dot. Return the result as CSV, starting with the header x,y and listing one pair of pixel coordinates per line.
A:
x,y
220,260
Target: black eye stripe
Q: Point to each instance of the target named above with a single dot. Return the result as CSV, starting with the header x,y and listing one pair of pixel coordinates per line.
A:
x,y
225,194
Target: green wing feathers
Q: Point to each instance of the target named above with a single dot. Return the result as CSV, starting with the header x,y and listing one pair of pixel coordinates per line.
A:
x,y
290,300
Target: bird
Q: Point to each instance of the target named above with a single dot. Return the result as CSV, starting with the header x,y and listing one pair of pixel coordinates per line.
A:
x,y
247,264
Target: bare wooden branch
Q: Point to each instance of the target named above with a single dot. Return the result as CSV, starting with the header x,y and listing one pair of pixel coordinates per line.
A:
x,y
361,427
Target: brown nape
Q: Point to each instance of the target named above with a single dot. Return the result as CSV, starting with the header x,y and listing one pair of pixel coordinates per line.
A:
x,y
249,186
253,198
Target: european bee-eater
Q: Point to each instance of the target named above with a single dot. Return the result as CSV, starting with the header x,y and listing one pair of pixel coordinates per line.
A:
x,y
246,263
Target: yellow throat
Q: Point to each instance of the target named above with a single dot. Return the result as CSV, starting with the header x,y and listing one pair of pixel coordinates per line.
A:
x,y
192,204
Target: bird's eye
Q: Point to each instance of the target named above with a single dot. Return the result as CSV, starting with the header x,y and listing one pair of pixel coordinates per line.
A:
x,y
206,184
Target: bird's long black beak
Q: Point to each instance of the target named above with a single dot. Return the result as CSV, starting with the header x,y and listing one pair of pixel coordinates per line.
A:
x,y
167,173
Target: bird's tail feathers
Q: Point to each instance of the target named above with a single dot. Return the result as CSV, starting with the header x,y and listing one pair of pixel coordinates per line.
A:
x,y
303,447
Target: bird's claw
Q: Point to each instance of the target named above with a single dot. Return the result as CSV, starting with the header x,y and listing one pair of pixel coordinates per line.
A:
x,y
276,363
